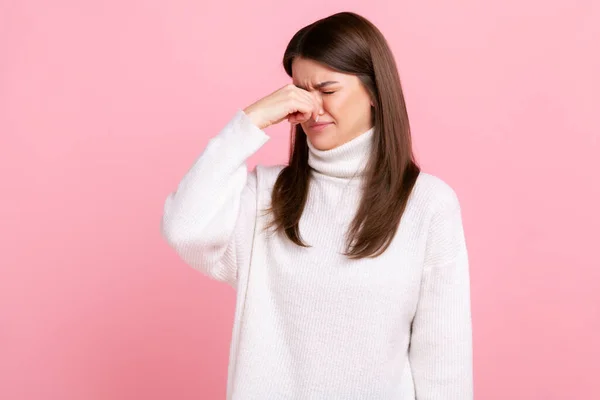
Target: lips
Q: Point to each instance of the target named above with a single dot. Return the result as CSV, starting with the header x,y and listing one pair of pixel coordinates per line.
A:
x,y
320,124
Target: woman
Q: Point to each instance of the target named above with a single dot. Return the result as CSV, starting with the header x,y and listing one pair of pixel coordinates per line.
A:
x,y
350,264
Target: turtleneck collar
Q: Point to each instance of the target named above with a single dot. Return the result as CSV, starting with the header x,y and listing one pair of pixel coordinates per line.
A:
x,y
346,161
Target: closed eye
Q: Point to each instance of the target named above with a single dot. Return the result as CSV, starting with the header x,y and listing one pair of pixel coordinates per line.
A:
x,y
328,92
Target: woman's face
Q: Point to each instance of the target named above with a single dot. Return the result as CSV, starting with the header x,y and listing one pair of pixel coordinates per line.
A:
x,y
346,104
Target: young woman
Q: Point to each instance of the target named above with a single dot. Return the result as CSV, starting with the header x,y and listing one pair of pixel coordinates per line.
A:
x,y
350,264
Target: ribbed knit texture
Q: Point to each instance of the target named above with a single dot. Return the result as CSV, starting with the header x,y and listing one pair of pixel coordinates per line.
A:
x,y
309,322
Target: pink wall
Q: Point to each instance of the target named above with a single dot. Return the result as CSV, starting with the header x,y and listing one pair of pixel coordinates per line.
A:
x,y
104,105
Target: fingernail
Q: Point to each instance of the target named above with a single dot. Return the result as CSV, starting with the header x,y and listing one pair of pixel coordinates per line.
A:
x,y
317,119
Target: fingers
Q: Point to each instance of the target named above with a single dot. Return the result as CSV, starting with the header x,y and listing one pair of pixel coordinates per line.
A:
x,y
314,103
304,110
299,117
303,105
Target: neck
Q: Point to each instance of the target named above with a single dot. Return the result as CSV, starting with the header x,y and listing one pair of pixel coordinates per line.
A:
x,y
345,161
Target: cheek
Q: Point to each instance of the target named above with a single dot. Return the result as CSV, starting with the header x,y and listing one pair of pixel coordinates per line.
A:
x,y
336,106
347,109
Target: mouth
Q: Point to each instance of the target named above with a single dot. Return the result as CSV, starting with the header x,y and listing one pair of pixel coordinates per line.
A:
x,y
320,125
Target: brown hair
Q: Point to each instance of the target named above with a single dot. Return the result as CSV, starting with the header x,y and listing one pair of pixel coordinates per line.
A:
x,y
351,44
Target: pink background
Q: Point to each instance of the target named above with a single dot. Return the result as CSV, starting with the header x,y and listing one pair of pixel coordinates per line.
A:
x,y
104,106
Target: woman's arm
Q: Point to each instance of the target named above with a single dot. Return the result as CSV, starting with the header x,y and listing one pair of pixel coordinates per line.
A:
x,y
209,219
441,352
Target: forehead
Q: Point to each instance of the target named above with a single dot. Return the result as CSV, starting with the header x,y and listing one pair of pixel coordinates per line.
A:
x,y
309,72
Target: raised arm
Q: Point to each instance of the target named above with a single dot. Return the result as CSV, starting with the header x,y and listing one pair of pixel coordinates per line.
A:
x,y
210,217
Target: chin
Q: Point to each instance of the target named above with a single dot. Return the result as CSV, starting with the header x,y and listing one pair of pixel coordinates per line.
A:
x,y
322,141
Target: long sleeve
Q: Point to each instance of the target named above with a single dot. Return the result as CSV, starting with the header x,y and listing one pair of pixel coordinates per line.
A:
x,y
209,219
441,354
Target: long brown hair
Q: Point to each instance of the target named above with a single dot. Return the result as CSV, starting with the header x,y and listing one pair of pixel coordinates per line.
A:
x,y
349,43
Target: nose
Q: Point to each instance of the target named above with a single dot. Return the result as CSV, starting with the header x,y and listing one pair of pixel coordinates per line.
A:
x,y
319,101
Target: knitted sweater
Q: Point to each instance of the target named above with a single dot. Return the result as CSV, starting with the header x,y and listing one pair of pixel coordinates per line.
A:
x,y
311,323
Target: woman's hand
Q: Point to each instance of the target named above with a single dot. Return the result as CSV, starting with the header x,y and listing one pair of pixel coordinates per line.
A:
x,y
289,102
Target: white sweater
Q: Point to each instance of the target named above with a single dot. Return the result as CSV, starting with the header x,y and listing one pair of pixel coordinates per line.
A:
x,y
310,323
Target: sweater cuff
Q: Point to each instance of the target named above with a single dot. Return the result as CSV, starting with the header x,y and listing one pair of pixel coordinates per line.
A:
x,y
242,134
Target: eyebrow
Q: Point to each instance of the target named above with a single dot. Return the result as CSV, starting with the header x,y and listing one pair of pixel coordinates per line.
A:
x,y
320,85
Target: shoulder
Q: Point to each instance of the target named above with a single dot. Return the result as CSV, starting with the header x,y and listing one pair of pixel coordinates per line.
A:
x,y
269,173
263,177
433,193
